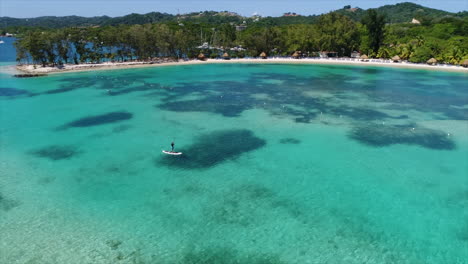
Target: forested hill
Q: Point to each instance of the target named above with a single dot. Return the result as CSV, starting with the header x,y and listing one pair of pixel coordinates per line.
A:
x,y
405,12
131,19
398,13
78,21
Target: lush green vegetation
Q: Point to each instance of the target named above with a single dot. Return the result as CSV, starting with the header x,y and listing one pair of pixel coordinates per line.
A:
x,y
445,39
398,13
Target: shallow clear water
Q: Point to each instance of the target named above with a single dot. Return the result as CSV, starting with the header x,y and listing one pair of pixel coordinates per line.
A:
x,y
281,164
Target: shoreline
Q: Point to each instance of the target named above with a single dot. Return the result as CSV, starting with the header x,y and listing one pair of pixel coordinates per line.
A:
x,y
69,68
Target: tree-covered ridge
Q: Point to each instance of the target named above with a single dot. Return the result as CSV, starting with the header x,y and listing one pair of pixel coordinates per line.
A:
x,y
398,13
446,40
78,21
402,13
52,21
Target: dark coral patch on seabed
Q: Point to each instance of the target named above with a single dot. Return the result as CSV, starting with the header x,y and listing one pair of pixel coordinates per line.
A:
x,y
97,120
11,92
56,152
211,149
7,204
227,256
231,98
60,90
289,141
382,135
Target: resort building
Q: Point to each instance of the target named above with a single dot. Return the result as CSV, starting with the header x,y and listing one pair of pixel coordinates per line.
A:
x,y
355,54
241,27
328,54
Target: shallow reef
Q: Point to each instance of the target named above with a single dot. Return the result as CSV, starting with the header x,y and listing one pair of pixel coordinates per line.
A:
x,y
289,141
121,128
248,205
12,92
231,98
56,152
60,90
211,149
97,120
385,135
227,256
7,204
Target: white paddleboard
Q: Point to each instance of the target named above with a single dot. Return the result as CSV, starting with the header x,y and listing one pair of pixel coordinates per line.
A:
x,y
171,153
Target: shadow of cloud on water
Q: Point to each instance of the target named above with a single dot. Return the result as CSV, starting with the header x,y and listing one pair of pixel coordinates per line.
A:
x,y
212,149
97,120
56,152
382,135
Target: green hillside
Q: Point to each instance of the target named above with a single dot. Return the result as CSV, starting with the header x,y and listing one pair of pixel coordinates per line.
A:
x,y
398,13
403,13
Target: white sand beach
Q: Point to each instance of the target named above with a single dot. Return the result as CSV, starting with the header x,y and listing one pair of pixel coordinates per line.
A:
x,y
138,64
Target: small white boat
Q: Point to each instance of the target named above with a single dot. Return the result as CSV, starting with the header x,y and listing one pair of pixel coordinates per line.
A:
x,y
1,41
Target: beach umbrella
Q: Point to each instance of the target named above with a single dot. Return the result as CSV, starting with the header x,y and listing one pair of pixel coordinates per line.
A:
x,y
296,55
432,61
263,55
465,63
396,58
201,56
226,56
364,57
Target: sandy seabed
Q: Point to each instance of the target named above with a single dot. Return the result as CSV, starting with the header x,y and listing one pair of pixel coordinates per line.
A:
x,y
125,65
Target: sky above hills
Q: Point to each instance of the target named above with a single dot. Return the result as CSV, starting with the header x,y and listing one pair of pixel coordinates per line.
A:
x,y
35,8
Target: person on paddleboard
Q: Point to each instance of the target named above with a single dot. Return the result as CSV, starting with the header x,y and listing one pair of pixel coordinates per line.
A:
x,y
172,146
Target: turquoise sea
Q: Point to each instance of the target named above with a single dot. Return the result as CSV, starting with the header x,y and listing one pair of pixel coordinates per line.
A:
x,y
282,164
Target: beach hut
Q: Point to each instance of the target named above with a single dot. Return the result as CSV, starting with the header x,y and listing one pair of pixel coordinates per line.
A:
x,y
396,58
432,61
355,54
263,55
364,58
201,57
226,56
465,63
296,55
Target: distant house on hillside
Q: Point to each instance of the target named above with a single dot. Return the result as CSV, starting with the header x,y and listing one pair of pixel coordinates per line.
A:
x,y
290,14
241,27
350,9
237,48
415,21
